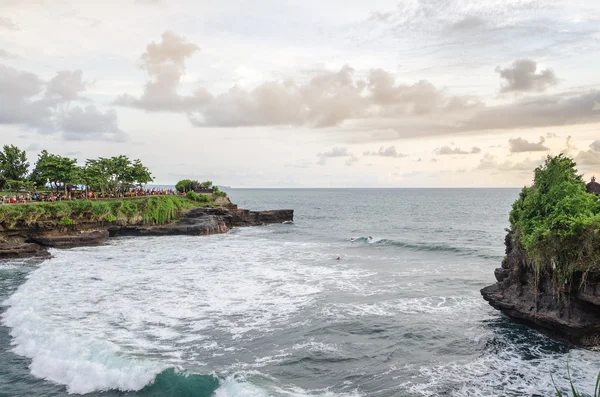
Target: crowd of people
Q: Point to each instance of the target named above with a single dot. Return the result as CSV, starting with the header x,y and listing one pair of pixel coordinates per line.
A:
x,y
26,197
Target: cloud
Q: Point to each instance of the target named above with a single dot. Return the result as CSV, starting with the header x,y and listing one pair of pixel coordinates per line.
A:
x,y
6,55
551,135
50,106
538,111
328,99
590,157
357,102
523,76
466,24
337,152
89,123
8,23
165,64
385,152
447,150
491,163
65,86
520,145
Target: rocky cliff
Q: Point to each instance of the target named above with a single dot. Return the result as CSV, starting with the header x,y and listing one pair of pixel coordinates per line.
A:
x,y
570,312
33,240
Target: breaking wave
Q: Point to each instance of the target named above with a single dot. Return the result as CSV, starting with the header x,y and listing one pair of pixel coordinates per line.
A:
x,y
416,246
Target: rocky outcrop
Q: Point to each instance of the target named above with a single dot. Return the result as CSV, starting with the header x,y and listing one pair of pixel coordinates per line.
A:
x,y
241,217
572,314
33,241
70,240
17,247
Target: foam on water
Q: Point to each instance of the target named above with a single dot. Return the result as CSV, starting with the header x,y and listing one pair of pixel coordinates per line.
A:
x,y
114,317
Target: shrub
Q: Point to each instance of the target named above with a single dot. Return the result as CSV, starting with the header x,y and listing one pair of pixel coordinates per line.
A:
x,y
192,195
66,221
111,218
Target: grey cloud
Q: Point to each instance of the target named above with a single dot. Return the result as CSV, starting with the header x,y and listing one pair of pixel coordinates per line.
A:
x,y
590,157
8,23
447,150
89,123
6,55
65,86
385,152
468,23
520,145
539,111
27,100
336,152
523,75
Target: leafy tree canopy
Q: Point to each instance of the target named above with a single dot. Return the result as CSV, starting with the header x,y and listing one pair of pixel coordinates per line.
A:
x,y
556,221
13,163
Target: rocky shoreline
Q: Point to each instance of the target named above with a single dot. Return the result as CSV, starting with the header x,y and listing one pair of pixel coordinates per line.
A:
x,y
573,315
34,240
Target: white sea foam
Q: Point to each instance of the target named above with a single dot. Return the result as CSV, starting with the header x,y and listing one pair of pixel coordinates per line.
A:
x,y
113,317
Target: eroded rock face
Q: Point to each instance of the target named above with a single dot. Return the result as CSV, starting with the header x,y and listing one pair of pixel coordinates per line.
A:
x,y
70,240
16,247
195,222
573,315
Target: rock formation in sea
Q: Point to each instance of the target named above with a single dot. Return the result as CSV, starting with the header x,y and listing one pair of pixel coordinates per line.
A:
x,y
550,277
535,301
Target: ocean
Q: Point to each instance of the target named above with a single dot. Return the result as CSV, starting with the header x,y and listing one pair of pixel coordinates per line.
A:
x,y
271,311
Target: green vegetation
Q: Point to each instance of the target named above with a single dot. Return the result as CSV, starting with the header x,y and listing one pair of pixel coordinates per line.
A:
x,y
557,223
153,210
574,390
102,174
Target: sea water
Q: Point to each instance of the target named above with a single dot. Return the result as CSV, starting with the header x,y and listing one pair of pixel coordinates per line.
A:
x,y
271,311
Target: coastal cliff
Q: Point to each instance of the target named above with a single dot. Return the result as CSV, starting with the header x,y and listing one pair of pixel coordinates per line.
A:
x,y
22,240
550,277
532,297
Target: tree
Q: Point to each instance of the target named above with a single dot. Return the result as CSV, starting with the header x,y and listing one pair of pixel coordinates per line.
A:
x,y
55,169
140,174
187,185
13,163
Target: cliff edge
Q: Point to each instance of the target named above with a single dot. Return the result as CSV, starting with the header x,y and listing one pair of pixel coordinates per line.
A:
x,y
533,299
32,240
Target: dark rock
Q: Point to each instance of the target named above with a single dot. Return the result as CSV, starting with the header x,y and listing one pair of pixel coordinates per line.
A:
x,y
195,222
501,273
83,238
241,217
16,247
572,315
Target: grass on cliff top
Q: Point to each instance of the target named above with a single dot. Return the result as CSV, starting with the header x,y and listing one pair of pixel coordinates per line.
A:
x,y
154,210
557,223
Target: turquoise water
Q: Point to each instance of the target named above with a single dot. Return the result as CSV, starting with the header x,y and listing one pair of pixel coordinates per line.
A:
x,y
270,311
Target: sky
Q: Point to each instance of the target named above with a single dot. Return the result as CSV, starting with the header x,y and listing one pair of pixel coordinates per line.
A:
x,y
302,93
